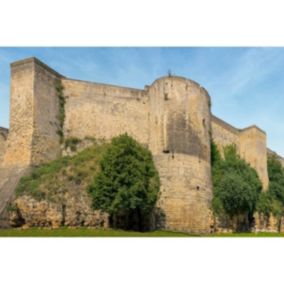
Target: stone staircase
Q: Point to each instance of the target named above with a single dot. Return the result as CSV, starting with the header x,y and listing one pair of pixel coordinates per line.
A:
x,y
9,178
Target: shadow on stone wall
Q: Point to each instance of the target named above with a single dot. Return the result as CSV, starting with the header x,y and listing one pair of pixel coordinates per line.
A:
x,y
238,224
182,138
133,221
159,221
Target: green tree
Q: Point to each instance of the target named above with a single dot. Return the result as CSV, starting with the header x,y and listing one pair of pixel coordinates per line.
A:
x,y
236,185
267,203
276,178
215,154
272,201
128,183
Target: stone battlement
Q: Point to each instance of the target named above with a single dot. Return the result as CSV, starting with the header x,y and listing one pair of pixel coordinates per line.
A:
x,y
172,117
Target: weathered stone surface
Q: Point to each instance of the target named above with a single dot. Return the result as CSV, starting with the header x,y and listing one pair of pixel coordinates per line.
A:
x,y
72,212
33,137
105,111
9,178
171,117
3,138
227,224
253,150
264,223
180,142
250,143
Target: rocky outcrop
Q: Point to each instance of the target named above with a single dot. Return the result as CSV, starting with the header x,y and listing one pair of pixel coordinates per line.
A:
x,y
264,223
9,178
227,224
72,212
56,194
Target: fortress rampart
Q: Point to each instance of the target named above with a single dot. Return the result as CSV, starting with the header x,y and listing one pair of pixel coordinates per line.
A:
x,y
171,117
3,138
250,143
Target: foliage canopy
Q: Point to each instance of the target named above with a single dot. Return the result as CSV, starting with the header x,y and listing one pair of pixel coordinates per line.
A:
x,y
272,201
236,185
128,182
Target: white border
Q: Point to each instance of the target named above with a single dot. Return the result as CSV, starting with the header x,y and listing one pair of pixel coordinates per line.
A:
x,y
141,23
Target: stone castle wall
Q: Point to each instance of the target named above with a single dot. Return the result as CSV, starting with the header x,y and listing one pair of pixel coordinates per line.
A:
x,y
33,137
105,111
180,142
250,143
281,159
45,140
253,150
224,134
19,143
3,138
171,117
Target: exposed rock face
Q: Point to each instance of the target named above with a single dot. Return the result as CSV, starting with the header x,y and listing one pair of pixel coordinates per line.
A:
x,y
60,197
264,223
261,223
9,179
226,224
28,212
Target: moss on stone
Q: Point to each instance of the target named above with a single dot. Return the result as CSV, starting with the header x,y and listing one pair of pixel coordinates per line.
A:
x,y
50,181
61,114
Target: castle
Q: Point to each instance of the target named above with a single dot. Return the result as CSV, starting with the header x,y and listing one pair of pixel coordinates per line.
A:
x,y
171,117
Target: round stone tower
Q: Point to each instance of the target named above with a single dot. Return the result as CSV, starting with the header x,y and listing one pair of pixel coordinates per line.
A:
x,y
180,143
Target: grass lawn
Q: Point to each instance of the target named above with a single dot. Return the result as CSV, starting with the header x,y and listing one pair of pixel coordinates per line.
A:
x,y
84,232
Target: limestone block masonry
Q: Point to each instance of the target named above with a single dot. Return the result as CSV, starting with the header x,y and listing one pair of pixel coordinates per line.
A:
x,y
3,139
34,107
171,117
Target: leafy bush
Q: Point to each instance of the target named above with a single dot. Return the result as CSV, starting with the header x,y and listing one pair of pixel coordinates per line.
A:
x,y
61,114
272,201
215,154
276,178
236,186
267,204
71,143
50,181
128,182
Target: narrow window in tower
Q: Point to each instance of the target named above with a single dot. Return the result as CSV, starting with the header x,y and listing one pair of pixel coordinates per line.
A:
x,y
197,187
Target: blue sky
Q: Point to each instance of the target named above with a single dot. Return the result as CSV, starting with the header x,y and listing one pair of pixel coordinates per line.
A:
x,y
246,85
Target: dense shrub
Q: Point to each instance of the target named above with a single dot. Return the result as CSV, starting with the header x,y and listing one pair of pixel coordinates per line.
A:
x,y
267,204
128,182
236,185
276,178
272,201
51,180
